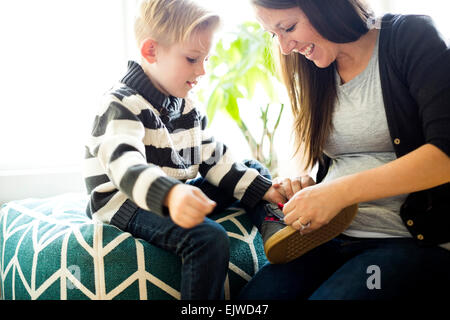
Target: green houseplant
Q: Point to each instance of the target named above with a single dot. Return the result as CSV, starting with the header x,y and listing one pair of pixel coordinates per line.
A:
x,y
242,62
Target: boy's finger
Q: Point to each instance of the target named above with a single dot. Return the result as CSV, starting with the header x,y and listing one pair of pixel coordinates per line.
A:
x,y
288,188
194,214
279,189
307,181
279,197
202,205
296,185
203,197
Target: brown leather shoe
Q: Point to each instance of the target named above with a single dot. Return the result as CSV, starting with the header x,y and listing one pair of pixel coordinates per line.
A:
x,y
288,244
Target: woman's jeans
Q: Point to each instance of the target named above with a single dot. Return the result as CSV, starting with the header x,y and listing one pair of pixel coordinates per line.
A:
x,y
357,269
204,249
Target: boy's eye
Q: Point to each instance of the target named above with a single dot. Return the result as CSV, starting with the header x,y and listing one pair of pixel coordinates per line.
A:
x,y
191,60
273,35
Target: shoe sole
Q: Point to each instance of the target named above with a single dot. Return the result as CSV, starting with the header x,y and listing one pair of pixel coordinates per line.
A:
x,y
288,244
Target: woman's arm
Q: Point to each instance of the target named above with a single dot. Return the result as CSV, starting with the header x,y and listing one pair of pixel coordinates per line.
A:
x,y
424,168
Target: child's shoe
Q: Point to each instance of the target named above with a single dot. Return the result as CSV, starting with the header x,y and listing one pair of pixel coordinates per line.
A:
x,y
273,221
283,243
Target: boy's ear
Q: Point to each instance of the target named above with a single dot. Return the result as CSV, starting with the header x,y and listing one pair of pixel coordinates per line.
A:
x,y
148,50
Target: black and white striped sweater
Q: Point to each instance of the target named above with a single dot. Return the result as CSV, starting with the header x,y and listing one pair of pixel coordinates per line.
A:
x,y
143,143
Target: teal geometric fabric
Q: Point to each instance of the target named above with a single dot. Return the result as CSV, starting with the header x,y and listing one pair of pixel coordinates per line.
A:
x,y
50,250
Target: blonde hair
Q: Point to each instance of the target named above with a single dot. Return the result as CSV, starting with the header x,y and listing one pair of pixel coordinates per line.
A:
x,y
172,21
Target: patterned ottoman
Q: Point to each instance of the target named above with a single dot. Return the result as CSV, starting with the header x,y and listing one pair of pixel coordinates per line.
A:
x,y
50,250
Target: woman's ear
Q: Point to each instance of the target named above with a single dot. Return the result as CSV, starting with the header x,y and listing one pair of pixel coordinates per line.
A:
x,y
148,50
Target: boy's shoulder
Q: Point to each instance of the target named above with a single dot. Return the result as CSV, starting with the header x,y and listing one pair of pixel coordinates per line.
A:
x,y
121,91
127,97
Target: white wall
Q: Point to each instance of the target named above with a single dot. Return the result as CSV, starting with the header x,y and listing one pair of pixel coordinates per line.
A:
x,y
37,183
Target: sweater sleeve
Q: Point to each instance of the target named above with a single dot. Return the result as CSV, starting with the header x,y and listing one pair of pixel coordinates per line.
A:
x,y
426,64
219,167
119,134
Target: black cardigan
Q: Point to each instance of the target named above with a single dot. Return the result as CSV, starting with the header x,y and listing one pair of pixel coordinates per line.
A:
x,y
415,80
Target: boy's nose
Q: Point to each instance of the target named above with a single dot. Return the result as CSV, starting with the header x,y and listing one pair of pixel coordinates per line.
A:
x,y
201,70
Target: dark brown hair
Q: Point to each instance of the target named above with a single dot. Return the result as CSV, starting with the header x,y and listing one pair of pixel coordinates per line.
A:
x,y
312,90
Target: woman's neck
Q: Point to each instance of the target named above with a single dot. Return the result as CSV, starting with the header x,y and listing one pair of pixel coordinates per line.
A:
x,y
355,56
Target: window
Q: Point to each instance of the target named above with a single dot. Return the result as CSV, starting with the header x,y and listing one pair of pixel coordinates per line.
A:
x,y
437,9
57,58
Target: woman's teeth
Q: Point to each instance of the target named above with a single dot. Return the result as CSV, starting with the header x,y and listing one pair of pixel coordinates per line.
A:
x,y
309,50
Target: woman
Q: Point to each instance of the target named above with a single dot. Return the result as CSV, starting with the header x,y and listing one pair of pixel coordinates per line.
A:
x,y
371,101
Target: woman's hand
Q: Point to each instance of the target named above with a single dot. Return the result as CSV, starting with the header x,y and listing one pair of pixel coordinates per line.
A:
x,y
288,187
313,207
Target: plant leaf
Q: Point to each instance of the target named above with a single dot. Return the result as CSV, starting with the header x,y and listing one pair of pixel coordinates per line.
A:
x,y
215,102
232,108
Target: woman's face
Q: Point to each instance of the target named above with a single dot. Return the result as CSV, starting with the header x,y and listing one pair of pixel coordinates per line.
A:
x,y
296,34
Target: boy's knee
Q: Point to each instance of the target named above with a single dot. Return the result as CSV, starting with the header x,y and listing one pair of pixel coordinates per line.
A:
x,y
212,235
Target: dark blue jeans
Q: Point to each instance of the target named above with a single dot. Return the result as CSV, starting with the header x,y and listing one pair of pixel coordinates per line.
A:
x,y
204,249
357,269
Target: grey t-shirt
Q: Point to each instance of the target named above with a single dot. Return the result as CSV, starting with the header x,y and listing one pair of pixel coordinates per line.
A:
x,y
359,141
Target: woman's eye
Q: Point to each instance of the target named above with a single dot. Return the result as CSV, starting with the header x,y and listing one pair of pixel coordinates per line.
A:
x,y
291,28
191,60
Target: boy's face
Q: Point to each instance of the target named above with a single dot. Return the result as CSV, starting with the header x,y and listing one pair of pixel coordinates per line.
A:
x,y
178,67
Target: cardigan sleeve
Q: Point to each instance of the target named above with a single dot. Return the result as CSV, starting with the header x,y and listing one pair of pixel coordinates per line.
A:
x,y
425,62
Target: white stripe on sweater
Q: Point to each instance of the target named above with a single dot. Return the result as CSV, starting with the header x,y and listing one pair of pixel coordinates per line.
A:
x,y
105,187
132,128
178,140
244,182
135,103
110,144
143,183
119,167
220,169
92,167
182,174
106,213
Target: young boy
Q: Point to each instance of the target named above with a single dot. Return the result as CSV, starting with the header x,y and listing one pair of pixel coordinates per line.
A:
x,y
148,139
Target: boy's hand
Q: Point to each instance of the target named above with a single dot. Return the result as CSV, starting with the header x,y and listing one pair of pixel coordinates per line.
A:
x,y
288,187
274,195
188,205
